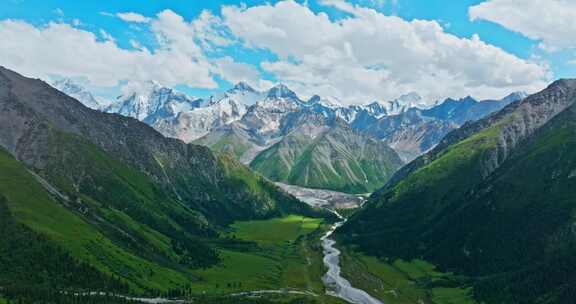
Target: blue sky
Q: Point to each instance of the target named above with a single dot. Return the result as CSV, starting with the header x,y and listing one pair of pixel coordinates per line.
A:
x,y
515,50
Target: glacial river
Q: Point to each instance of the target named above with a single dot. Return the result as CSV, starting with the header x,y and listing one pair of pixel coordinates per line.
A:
x,y
335,284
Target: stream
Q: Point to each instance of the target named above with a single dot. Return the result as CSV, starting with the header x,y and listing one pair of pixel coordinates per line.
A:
x,y
335,284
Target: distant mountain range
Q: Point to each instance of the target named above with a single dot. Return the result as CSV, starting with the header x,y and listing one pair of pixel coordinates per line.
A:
x,y
99,201
493,202
254,125
327,154
75,90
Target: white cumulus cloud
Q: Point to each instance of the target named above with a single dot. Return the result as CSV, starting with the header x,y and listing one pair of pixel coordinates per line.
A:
x,y
357,59
374,56
551,21
64,50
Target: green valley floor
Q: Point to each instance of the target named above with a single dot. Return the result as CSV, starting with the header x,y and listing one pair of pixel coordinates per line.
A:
x,y
276,255
402,282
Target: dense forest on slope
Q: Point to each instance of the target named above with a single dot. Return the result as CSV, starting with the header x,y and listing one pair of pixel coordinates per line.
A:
x,y
493,201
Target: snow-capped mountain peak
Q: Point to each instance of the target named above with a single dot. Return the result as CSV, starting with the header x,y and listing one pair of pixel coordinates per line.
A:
x,y
242,93
242,87
281,91
405,102
74,90
149,101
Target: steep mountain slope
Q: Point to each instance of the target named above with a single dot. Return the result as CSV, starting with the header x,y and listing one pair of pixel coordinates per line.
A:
x,y
138,205
408,124
410,134
46,246
322,153
492,201
233,139
415,131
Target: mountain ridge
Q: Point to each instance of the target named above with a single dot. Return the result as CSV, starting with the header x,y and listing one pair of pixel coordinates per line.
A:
x,y
463,207
153,204
327,154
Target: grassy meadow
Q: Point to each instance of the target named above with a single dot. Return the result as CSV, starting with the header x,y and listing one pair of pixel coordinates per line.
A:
x,y
285,254
402,282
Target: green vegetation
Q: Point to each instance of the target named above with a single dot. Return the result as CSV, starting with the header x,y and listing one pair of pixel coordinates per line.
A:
x,y
232,145
275,254
337,159
98,202
275,231
268,299
400,282
29,204
510,231
229,140
270,246
274,258
54,297
269,254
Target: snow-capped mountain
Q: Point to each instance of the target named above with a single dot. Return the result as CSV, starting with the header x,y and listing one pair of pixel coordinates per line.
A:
x,y
255,120
265,116
244,94
152,102
74,90
405,102
416,130
261,112
193,124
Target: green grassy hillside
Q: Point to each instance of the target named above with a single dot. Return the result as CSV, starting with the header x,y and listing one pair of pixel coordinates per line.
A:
x,y
509,231
140,211
337,158
118,247
227,139
39,231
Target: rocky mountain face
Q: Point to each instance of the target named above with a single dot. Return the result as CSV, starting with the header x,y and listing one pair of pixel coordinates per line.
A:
x,y
491,202
131,196
327,154
246,122
416,131
152,102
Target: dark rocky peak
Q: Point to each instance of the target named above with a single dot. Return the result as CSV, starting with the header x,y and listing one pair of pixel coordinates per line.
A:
x,y
281,91
313,100
242,87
